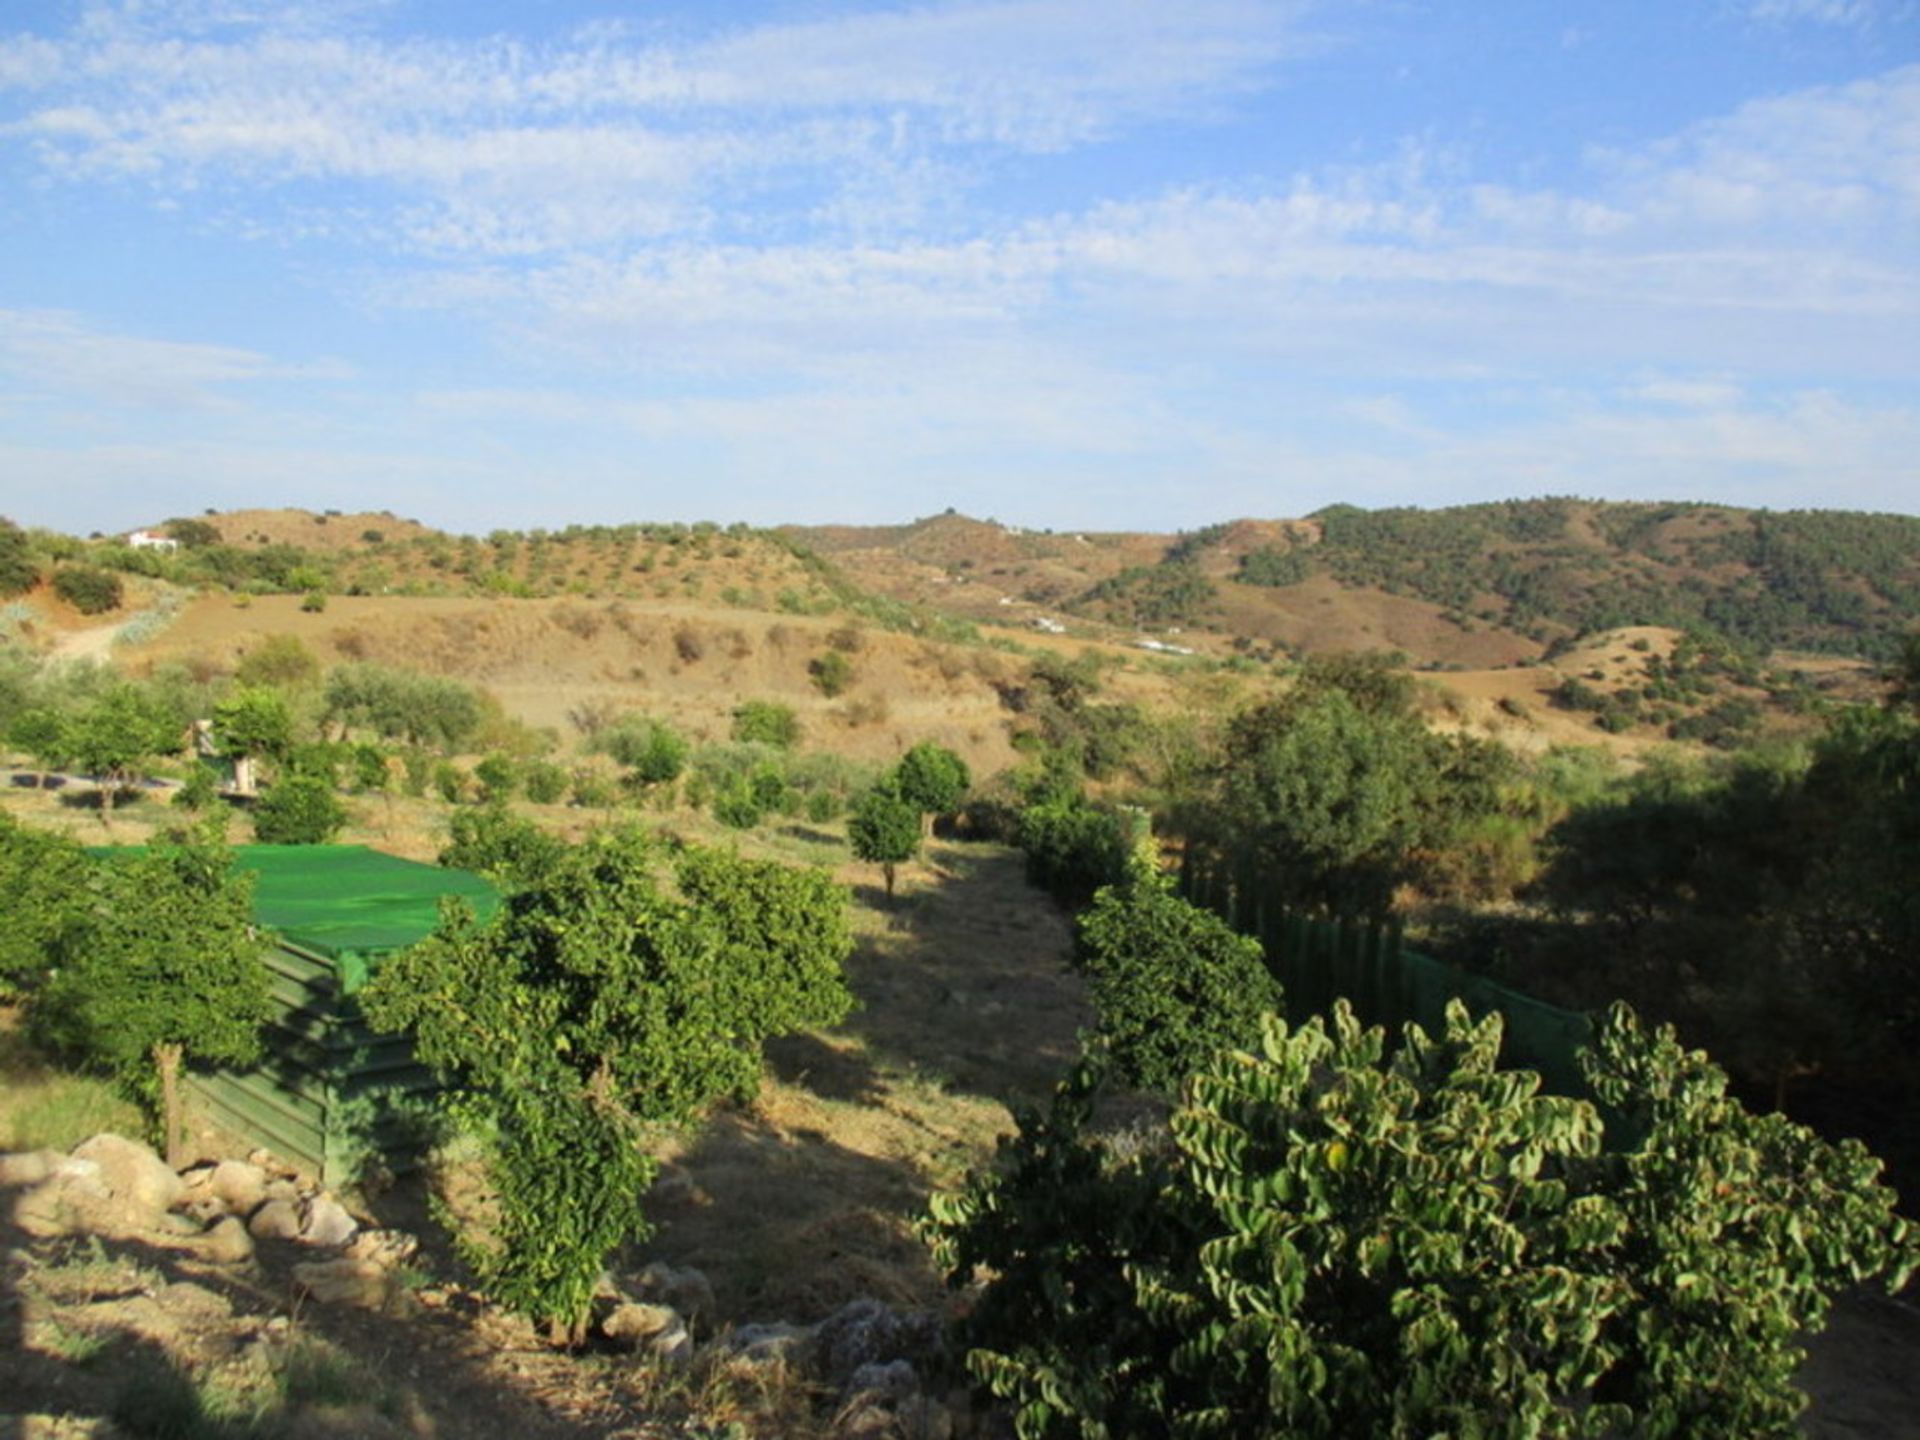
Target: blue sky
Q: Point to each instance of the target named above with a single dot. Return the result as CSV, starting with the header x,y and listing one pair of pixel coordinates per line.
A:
x,y
1072,263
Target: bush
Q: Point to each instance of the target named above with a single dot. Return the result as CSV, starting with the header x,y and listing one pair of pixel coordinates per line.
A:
x,y
314,601
90,591
831,673
44,878
498,777
1332,1244
932,779
1171,984
1073,848
654,752
298,810
544,782
19,571
766,722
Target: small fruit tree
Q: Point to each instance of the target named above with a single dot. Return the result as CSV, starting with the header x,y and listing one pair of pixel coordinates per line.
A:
x,y
884,830
1334,1243
593,1004
933,780
165,968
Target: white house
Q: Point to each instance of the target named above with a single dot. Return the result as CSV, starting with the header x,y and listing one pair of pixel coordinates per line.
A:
x,y
151,540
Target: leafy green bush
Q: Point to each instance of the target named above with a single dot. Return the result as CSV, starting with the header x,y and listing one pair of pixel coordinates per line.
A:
x,y
594,1003
90,591
653,751
766,722
507,848
166,969
298,810
19,571
544,782
44,878
1073,848
932,779
1171,984
1330,1243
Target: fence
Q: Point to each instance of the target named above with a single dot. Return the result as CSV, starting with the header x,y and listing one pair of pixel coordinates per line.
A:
x,y
1317,961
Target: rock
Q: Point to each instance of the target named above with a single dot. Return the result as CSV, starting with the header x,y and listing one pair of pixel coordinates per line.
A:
x,y
864,1332
240,1185
71,1200
275,1220
673,1344
281,1188
921,1417
891,1381
327,1223
139,1179
228,1242
775,1343
864,1420
203,1207
389,1249
686,1290
636,1323
29,1167
357,1283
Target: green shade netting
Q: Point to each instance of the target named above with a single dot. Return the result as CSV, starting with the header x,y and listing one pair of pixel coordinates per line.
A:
x,y
340,900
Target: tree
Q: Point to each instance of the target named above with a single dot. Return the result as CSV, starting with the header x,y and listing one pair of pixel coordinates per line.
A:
x,y
592,1003
932,779
1334,1243
166,970
884,830
1171,983
194,534
42,733
114,736
298,810
44,878
655,753
19,571
255,723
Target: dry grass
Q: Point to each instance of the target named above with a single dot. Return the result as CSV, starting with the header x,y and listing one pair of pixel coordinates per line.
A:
x,y
43,1107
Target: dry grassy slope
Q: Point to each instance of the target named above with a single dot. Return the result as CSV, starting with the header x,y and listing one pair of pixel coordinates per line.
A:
x,y
688,663
310,530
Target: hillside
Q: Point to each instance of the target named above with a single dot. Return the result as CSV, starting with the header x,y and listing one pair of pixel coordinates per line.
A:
x,y
1473,586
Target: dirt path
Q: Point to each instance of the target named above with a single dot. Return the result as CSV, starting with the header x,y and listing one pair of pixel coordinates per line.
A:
x,y
93,643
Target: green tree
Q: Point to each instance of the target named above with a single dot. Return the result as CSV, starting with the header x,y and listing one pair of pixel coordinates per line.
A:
x,y
253,722
44,878
1170,982
932,779
167,970
499,777
595,1002
884,830
509,849
653,752
41,732
1335,1243
112,738
298,810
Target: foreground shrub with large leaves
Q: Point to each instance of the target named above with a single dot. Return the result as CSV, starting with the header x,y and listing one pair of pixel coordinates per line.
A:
x,y
1329,1242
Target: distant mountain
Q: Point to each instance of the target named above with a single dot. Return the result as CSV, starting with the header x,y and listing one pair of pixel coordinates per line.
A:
x,y
1467,585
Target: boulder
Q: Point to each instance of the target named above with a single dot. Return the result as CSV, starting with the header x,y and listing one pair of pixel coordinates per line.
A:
x,y
28,1167
890,1381
360,1284
772,1343
866,1332
275,1220
389,1249
227,1242
687,1290
636,1323
240,1185
327,1222
139,1179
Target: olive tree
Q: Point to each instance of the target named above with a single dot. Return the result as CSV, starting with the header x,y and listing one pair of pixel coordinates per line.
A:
x,y
1331,1242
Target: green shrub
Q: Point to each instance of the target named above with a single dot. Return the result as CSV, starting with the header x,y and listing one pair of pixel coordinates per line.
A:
x,y
766,722
884,830
831,673
1073,848
1171,984
90,591
19,571
544,782
298,810
1332,1244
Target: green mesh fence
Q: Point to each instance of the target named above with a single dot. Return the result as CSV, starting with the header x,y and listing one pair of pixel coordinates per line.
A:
x,y
1317,961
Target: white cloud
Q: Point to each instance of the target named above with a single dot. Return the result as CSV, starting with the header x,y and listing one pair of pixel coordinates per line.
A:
x,y
1846,14
57,353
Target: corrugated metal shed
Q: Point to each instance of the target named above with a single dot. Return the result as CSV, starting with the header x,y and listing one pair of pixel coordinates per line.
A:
x,y
330,1090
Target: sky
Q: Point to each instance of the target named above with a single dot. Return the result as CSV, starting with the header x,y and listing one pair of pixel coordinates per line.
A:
x,y
1076,264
